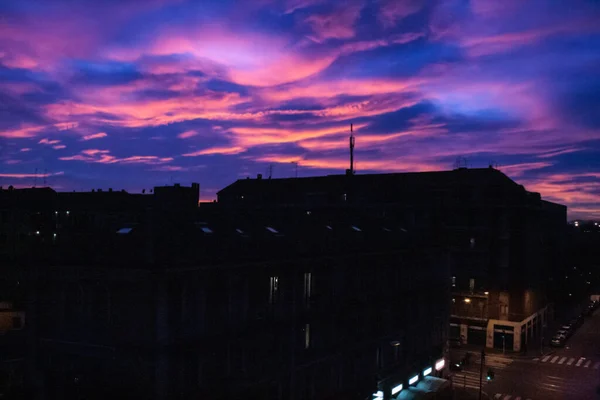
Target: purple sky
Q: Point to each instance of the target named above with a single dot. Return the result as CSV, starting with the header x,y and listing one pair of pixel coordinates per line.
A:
x,y
130,94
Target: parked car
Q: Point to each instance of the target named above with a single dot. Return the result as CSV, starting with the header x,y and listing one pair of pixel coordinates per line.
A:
x,y
563,332
558,341
576,322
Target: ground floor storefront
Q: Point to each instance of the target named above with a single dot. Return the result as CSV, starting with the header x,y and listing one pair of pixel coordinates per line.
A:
x,y
505,335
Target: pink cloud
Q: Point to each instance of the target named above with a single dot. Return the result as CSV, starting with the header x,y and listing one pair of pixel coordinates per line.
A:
x,y
338,24
48,141
103,157
216,150
25,175
59,147
187,134
516,170
392,11
25,149
98,135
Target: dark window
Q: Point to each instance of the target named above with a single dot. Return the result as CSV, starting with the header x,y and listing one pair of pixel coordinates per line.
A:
x,y
17,323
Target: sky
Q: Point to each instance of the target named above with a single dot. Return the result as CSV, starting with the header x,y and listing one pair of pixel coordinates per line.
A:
x,y
130,94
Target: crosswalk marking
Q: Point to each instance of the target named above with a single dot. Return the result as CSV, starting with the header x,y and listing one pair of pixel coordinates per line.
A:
x,y
597,365
562,360
587,364
570,361
579,362
546,358
554,359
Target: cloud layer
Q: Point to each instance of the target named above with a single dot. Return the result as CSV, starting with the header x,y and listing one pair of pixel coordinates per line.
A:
x,y
132,94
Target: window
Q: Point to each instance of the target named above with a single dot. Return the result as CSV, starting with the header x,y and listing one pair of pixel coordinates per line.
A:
x,y
272,230
472,242
17,323
206,230
306,336
273,289
454,281
471,284
307,287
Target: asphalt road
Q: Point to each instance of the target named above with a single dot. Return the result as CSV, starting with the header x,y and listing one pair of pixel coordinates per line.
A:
x,y
569,373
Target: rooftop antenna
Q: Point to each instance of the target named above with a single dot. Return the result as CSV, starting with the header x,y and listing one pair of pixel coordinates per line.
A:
x,y
351,150
270,170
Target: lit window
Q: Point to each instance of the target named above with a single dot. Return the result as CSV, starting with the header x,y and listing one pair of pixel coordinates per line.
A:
x,y
306,336
440,364
206,229
454,281
356,228
345,196
329,227
68,212
307,286
37,232
413,380
273,289
272,230
427,371
124,231
396,389
472,241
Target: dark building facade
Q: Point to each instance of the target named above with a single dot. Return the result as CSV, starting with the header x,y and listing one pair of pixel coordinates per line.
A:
x,y
504,242
159,299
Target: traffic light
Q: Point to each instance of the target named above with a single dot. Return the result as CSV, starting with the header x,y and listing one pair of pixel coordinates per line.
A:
x,y
490,375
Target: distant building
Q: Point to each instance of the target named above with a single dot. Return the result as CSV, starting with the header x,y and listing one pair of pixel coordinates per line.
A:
x,y
506,244
155,298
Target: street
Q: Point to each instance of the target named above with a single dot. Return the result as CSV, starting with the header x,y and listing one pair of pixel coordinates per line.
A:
x,y
572,372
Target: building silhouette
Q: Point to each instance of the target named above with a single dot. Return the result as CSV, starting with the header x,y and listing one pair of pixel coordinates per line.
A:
x,y
151,296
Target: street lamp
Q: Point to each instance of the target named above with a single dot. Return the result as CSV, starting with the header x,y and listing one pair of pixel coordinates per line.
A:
x,y
467,300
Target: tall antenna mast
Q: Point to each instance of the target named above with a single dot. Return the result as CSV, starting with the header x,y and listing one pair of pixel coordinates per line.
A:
x,y
351,150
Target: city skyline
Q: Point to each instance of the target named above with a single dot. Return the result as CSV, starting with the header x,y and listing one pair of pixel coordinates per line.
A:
x,y
134,94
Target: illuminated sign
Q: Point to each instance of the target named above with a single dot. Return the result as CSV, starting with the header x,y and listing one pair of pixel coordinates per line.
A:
x,y
440,364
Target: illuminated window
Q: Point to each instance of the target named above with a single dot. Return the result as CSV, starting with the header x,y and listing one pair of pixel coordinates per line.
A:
x,y
272,230
307,287
454,281
356,228
273,289
306,336
206,229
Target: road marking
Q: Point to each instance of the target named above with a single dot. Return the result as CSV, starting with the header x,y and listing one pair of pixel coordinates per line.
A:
x,y
562,360
579,362
597,365
570,361
587,364
554,359
546,358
